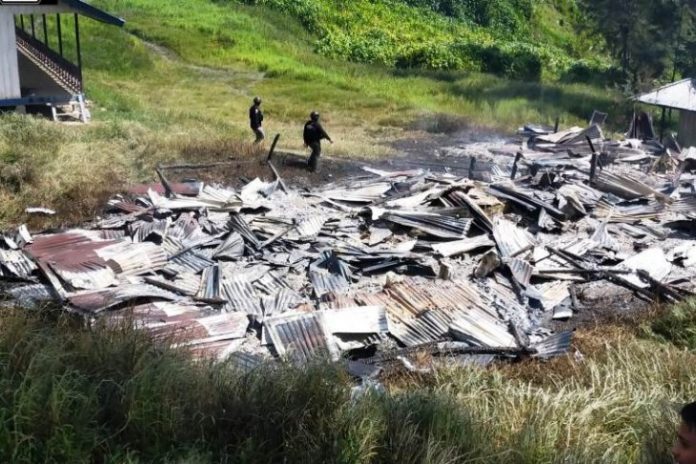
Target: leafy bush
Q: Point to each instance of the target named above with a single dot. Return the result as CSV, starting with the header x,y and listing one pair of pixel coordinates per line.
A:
x,y
592,72
472,35
502,15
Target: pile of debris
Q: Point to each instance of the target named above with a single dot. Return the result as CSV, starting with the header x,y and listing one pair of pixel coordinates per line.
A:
x,y
376,267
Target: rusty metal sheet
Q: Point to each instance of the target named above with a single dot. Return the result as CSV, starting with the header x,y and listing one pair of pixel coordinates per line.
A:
x,y
226,326
131,259
154,314
183,283
300,337
95,301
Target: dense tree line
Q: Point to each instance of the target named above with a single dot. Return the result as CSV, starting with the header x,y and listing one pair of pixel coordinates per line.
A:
x,y
649,39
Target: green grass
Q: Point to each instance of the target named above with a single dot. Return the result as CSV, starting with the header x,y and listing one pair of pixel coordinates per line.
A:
x,y
188,100
71,394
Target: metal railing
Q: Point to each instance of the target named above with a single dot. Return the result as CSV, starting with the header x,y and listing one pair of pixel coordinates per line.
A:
x,y
62,71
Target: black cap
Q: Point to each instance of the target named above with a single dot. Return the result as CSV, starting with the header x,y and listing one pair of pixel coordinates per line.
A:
x,y
257,101
314,116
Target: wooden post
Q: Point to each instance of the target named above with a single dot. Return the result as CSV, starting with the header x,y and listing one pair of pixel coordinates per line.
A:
x,y
518,157
555,127
79,50
593,167
60,34
593,163
663,123
45,29
472,164
273,145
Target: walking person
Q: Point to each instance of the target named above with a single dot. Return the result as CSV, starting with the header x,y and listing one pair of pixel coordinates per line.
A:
x,y
313,135
256,120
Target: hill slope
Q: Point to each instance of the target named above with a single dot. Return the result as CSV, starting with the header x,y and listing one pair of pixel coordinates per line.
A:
x,y
175,84
515,38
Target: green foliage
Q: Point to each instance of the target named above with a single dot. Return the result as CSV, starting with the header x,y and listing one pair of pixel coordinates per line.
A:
x,y
473,35
500,15
649,39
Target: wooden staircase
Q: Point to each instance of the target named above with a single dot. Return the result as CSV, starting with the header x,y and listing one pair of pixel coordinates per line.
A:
x,y
61,71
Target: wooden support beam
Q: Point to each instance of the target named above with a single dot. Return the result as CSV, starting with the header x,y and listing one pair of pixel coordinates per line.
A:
x,y
77,46
60,34
278,178
518,157
45,29
273,146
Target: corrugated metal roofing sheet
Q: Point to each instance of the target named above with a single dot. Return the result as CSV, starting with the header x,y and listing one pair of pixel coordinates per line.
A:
x,y
189,262
96,301
299,337
210,290
356,320
130,259
459,247
479,329
510,238
238,224
436,225
183,283
653,261
226,326
16,263
240,295
282,301
680,95
231,248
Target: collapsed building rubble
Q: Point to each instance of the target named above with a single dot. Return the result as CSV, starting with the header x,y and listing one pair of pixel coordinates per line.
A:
x,y
381,266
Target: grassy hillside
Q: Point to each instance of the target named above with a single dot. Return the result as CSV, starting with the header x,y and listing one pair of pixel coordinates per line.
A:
x,y
177,81
514,38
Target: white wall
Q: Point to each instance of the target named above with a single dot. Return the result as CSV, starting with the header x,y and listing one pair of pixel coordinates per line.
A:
x,y
9,70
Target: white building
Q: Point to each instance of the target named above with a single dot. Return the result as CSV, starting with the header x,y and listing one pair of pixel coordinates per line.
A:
x,y
36,40
679,96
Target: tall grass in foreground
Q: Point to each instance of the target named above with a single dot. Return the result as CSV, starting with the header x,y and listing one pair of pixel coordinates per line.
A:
x,y
69,394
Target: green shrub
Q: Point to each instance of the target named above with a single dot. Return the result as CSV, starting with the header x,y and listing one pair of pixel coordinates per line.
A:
x,y
592,72
472,35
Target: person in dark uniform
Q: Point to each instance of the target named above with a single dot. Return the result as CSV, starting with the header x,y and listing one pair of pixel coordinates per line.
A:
x,y
313,135
256,120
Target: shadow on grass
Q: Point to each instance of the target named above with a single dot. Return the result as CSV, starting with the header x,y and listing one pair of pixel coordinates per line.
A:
x,y
546,98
